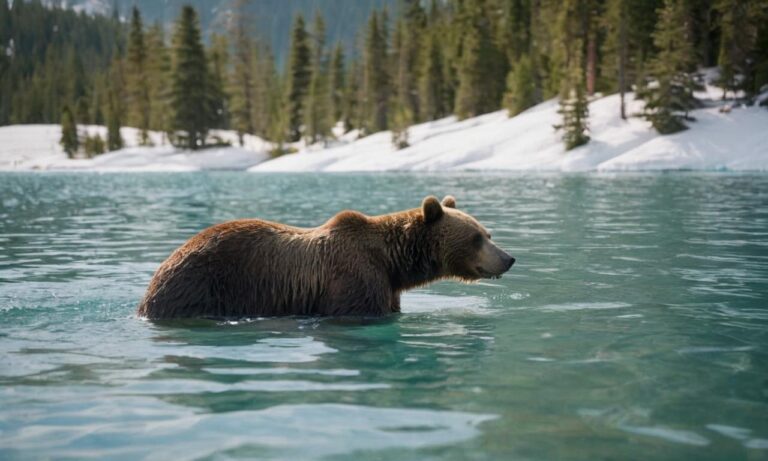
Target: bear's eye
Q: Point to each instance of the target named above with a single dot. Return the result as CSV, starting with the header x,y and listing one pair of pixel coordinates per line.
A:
x,y
477,240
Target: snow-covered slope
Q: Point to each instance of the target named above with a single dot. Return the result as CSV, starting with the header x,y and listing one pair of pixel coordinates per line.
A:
x,y
736,141
36,147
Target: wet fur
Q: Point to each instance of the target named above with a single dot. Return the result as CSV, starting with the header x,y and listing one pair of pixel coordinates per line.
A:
x,y
351,265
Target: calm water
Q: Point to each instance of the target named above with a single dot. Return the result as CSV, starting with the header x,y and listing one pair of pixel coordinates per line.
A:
x,y
634,325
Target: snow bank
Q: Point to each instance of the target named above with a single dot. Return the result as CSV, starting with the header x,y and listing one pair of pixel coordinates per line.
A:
x,y
736,141
36,147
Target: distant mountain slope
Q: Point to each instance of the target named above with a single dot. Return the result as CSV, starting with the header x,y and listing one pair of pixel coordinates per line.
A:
x,y
273,18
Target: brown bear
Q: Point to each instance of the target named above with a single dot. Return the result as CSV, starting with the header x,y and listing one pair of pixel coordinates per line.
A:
x,y
352,265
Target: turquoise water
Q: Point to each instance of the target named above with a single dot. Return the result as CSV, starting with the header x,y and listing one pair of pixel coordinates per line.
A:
x,y
633,326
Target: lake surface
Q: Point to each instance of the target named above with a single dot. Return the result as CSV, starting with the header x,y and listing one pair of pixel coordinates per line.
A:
x,y
633,326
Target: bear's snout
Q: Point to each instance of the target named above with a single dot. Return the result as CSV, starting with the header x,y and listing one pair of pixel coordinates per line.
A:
x,y
493,261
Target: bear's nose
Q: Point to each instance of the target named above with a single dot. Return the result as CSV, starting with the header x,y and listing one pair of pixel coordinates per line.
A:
x,y
510,262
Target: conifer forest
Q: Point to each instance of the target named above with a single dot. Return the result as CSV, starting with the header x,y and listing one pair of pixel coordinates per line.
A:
x,y
413,62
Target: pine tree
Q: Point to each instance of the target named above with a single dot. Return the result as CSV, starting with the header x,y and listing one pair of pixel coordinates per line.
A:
x,y
409,53
299,75
571,32
137,78
114,139
353,109
218,60
376,88
432,98
739,31
615,22
669,99
190,82
159,73
265,88
574,107
242,78
478,67
69,141
338,83
521,87
318,105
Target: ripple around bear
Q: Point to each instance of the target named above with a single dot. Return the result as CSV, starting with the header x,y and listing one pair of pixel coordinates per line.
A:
x,y
352,265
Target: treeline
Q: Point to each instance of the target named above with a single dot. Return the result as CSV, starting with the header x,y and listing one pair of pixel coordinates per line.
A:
x,y
436,58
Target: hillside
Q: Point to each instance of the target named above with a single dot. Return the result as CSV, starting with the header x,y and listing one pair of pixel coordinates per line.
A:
x,y
736,141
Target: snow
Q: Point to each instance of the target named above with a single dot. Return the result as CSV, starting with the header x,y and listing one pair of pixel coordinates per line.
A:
x,y
36,147
715,141
737,141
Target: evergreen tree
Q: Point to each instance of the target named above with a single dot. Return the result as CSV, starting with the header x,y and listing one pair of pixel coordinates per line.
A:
x,y
114,139
265,90
159,73
574,107
318,105
668,100
740,22
337,83
414,21
137,78
376,87
69,141
615,21
432,98
190,82
521,87
299,76
515,28
352,111
479,90
571,31
218,59
242,78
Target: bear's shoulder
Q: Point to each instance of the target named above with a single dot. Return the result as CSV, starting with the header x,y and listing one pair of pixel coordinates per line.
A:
x,y
347,219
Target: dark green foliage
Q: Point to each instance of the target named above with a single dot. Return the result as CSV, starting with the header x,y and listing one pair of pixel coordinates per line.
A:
x,y
93,145
479,71
218,60
193,114
376,81
137,79
669,98
411,41
433,101
740,23
42,52
299,76
338,82
463,56
159,78
352,109
574,107
319,116
69,141
521,87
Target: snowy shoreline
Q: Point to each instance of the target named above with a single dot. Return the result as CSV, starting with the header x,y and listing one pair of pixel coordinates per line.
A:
x,y
716,141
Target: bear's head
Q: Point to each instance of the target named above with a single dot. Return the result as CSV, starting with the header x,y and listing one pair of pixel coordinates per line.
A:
x,y
464,245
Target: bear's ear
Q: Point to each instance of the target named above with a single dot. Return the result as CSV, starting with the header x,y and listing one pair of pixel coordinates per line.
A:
x,y
449,201
431,209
